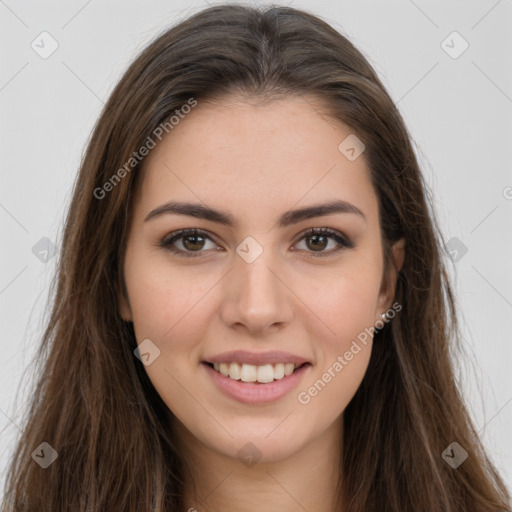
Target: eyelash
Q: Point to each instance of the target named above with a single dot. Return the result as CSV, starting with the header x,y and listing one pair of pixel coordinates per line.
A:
x,y
167,242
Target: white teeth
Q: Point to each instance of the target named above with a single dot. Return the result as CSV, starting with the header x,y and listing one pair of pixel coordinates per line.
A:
x,y
265,373
234,371
279,371
288,368
250,373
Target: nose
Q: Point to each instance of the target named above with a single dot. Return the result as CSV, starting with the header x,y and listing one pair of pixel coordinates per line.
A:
x,y
257,297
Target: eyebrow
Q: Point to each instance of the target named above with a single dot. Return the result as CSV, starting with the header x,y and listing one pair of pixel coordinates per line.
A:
x,y
227,219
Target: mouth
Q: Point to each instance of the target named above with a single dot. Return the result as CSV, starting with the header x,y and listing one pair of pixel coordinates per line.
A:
x,y
256,374
256,385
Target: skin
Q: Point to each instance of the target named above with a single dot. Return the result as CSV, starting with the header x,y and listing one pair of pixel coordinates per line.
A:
x,y
256,162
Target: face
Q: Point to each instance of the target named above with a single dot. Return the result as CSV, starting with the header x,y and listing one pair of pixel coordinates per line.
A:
x,y
251,293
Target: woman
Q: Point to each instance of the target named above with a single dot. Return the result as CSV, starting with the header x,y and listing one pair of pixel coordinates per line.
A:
x,y
252,311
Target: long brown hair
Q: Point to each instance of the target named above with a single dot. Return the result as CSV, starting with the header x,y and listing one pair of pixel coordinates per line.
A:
x,y
93,402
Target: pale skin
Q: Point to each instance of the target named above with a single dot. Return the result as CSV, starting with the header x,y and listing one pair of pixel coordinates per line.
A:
x,y
257,162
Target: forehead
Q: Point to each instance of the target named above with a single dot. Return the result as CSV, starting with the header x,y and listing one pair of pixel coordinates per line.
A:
x,y
249,158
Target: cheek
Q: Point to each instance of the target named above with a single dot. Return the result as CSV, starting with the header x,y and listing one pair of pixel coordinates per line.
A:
x,y
171,308
343,353
348,307
343,302
340,318
163,299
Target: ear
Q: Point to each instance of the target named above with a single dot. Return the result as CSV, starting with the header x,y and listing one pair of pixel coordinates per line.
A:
x,y
388,285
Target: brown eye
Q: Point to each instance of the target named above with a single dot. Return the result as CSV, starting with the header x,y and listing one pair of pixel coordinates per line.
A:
x,y
317,240
192,242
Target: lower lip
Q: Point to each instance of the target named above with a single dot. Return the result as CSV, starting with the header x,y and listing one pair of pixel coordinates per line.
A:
x,y
255,392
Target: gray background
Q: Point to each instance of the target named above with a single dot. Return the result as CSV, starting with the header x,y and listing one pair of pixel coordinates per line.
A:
x,y
457,107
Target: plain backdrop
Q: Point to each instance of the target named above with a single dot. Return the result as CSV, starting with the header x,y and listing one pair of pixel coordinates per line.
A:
x,y
453,90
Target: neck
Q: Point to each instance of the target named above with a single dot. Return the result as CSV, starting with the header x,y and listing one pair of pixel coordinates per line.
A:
x,y
306,480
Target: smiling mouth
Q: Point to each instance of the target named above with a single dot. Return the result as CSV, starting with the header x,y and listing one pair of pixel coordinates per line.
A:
x,y
262,374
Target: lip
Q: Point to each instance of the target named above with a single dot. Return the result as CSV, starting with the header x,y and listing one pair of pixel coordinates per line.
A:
x,y
255,392
257,359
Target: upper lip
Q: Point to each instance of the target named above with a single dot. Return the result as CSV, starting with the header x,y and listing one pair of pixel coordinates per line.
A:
x,y
256,358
